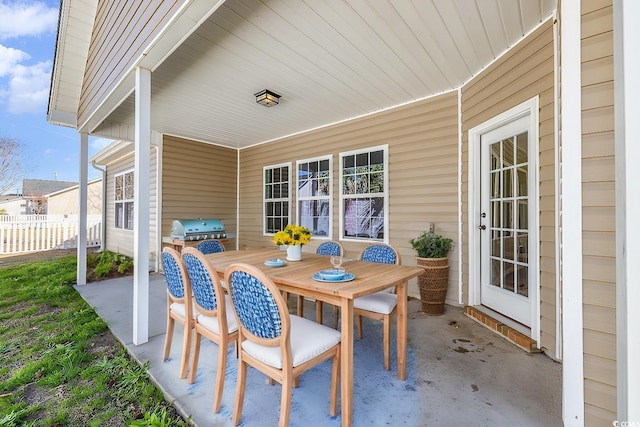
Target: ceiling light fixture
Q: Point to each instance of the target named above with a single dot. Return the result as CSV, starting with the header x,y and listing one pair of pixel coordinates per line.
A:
x,y
267,98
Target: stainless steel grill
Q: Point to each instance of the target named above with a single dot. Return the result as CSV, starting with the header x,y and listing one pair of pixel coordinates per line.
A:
x,y
197,229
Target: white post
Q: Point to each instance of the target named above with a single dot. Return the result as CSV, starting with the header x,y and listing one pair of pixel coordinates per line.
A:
x,y
571,99
141,208
82,217
627,127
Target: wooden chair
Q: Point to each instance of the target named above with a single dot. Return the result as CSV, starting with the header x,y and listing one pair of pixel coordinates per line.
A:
x,y
210,247
278,344
381,305
215,321
325,248
179,306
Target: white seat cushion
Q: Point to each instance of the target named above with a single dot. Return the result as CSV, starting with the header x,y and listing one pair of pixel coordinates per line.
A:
x,y
211,323
308,340
380,302
179,309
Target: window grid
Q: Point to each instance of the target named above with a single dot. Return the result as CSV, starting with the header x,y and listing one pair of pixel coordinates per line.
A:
x,y
124,201
314,182
277,199
363,194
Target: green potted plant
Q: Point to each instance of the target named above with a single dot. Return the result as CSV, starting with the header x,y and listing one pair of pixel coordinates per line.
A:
x,y
432,250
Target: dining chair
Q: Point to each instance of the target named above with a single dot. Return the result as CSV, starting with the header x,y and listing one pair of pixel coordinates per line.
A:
x,y
210,247
215,320
325,248
381,305
179,307
280,345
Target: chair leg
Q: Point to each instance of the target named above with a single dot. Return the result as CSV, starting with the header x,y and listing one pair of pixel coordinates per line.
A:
x,y
196,356
386,339
186,348
333,392
168,337
319,312
359,324
240,385
222,365
300,306
285,400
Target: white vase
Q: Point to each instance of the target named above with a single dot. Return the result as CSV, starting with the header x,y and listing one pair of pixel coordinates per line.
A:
x,y
294,253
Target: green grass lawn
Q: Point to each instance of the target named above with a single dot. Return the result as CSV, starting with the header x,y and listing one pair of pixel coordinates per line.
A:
x,y
59,363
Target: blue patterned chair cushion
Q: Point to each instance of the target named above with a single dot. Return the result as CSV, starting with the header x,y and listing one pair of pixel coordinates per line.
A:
x,y
210,247
379,253
329,248
201,282
255,305
172,276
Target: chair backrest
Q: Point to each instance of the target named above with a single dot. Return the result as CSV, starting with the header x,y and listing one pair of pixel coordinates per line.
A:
x,y
174,274
329,248
260,309
380,253
210,247
205,285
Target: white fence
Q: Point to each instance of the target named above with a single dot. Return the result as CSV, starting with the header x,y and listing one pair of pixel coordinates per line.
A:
x,y
33,233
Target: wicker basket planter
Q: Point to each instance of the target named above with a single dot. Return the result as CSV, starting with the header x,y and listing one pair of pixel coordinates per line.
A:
x,y
433,284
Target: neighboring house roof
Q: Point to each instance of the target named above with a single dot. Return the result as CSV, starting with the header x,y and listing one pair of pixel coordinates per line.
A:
x,y
40,187
71,188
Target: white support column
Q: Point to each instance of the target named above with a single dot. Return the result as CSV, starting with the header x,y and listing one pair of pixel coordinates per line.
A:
x,y
141,210
626,34
81,269
571,187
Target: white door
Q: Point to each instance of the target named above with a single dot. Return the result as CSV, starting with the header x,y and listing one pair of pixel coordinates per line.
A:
x,y
507,280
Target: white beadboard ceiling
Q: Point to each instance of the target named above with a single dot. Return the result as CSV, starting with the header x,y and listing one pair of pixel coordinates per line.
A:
x,y
329,60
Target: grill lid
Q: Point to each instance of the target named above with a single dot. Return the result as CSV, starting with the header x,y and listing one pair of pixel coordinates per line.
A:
x,y
197,229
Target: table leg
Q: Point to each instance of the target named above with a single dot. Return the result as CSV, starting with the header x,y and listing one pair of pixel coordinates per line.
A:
x,y
346,362
402,331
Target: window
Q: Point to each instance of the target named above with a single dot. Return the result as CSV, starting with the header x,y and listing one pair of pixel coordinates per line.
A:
x,y
277,201
124,201
363,194
314,185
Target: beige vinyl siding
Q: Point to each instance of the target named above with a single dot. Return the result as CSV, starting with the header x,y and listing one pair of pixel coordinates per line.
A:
x,y
598,189
198,181
121,240
68,202
524,72
122,30
423,171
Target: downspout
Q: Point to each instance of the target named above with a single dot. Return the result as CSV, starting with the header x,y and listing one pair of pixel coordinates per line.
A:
x,y
103,229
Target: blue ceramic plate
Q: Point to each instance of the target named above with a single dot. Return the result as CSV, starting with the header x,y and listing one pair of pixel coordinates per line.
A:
x,y
331,274
275,262
346,278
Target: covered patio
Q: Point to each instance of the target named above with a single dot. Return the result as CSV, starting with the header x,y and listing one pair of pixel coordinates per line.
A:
x,y
458,372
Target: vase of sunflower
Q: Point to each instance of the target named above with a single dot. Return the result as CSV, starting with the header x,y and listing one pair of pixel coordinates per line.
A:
x,y
293,237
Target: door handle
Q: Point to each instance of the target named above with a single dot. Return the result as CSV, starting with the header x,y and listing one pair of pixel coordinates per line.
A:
x,y
482,227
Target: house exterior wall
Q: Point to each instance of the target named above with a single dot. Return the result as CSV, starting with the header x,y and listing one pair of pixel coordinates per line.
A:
x,y
14,206
423,175
598,198
67,202
118,239
524,72
199,181
122,30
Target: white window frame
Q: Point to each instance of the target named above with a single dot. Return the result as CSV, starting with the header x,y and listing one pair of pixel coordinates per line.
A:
x,y
266,199
328,197
384,194
124,202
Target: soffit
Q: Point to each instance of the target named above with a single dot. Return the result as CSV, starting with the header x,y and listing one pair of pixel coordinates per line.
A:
x,y
330,61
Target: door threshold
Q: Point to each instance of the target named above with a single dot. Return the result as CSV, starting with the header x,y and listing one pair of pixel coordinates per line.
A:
x,y
514,332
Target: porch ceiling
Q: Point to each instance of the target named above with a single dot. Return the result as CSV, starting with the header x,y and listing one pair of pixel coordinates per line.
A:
x,y
330,61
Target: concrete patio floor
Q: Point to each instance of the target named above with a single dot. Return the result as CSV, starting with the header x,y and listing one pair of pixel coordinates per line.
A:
x,y
466,374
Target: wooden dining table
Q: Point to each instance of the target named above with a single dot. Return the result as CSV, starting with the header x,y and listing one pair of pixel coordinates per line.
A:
x,y
296,278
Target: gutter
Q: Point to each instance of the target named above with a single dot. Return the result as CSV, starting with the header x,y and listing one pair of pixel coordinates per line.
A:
x,y
103,230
